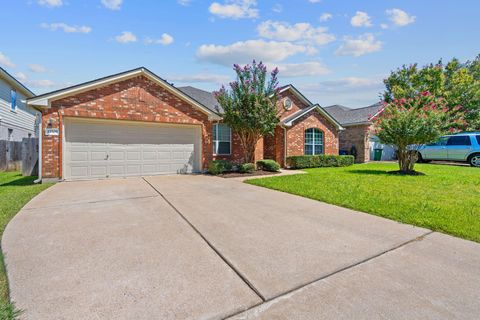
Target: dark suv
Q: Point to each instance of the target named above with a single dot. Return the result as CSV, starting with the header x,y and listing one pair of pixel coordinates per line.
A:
x,y
462,147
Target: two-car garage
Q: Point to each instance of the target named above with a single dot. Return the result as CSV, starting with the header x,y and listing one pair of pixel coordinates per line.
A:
x,y
95,149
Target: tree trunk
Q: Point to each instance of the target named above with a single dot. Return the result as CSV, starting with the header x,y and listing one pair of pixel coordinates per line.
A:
x,y
248,142
406,159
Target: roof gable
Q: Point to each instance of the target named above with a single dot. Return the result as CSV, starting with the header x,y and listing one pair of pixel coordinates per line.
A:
x,y
15,83
288,122
347,116
297,93
44,100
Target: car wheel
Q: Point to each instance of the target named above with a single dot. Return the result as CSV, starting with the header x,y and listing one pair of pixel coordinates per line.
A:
x,y
474,160
421,160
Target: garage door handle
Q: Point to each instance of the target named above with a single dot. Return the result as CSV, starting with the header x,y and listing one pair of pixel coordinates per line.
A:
x,y
106,158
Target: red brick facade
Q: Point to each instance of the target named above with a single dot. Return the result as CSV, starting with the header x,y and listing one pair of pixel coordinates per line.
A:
x,y
295,135
136,99
141,99
357,136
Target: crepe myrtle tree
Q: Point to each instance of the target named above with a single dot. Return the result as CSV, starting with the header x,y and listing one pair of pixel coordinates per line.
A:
x,y
249,105
409,123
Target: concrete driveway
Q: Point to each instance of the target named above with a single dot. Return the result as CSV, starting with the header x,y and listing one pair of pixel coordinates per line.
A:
x,y
199,247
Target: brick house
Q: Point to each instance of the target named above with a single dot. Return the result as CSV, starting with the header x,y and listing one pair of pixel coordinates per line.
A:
x,y
357,134
135,123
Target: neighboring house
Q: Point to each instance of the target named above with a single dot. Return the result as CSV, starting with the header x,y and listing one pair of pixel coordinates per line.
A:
x,y
17,120
135,123
357,137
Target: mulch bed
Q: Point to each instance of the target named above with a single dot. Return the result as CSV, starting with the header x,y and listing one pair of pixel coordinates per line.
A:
x,y
251,174
403,173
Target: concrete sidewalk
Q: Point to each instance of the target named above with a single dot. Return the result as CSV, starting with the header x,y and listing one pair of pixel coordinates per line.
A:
x,y
201,247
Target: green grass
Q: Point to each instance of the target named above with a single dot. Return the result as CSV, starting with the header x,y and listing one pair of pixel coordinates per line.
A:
x,y
446,199
15,192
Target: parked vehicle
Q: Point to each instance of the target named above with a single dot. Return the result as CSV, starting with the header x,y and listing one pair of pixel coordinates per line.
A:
x,y
461,147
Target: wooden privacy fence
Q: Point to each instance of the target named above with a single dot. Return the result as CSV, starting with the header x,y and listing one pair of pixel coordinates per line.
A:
x,y
20,155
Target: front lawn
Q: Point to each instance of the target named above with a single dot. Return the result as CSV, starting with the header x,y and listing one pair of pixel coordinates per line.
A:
x,y
15,192
446,199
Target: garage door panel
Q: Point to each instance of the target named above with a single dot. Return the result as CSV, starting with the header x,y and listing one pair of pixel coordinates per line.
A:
x,y
98,155
81,156
117,155
102,149
117,170
98,171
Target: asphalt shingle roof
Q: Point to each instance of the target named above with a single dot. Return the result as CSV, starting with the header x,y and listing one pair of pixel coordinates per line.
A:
x,y
346,115
204,97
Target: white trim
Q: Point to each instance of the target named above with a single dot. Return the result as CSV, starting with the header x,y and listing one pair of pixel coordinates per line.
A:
x,y
356,124
40,157
69,119
46,100
317,107
215,125
297,93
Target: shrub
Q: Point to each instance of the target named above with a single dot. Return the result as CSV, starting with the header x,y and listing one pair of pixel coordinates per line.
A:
x,y
268,165
300,162
246,168
219,166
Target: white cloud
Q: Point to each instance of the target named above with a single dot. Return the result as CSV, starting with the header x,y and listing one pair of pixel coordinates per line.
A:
x,y
277,8
37,68
399,17
184,2
384,26
314,1
245,51
350,91
361,45
310,68
201,78
43,83
235,9
50,3
303,32
66,28
165,40
112,4
361,19
126,37
325,16
5,61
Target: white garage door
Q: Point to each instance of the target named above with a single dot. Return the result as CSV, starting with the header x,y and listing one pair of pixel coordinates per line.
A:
x,y
101,149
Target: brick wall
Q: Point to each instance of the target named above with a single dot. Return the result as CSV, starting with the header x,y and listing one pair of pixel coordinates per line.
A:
x,y
357,136
296,134
297,104
136,99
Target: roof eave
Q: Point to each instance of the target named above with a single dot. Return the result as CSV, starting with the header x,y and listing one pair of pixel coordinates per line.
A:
x,y
44,101
317,107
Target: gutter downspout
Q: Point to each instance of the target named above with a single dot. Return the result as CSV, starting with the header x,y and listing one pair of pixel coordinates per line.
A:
x,y
40,132
284,146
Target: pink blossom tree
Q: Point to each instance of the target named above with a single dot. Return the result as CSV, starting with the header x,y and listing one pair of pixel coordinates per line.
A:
x,y
409,123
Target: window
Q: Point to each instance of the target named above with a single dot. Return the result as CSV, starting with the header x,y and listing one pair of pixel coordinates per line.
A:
x,y
441,142
478,139
13,97
222,139
459,141
313,141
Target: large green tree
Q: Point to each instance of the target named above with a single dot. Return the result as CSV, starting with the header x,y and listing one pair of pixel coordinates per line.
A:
x,y
249,105
458,83
408,123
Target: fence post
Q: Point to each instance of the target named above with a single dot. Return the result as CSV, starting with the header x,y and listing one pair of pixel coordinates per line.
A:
x,y
29,157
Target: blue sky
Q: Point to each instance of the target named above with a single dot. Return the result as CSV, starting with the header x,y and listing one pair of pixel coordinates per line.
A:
x,y
334,51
